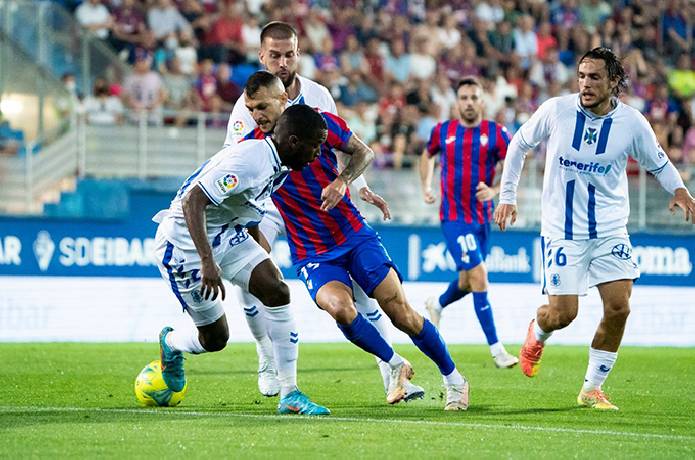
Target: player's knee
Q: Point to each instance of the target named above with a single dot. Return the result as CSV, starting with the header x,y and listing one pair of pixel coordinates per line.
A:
x,y
406,320
565,317
340,307
616,311
215,342
276,295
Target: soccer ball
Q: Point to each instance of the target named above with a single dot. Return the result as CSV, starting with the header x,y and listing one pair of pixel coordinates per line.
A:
x,y
150,389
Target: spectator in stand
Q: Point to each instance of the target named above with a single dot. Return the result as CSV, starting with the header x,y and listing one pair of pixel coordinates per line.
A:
x,y
143,90
422,64
206,87
180,102
8,145
397,62
315,28
450,33
491,12
129,27
165,21
251,38
187,54
375,64
224,41
194,12
661,108
101,107
443,96
502,42
674,26
352,57
95,17
227,90
592,13
682,78
525,41
545,39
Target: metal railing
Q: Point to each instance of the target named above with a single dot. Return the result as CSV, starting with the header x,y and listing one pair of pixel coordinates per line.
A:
x,y
143,150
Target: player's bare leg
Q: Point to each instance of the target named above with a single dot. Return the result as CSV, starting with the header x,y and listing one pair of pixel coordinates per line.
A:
x,y
558,313
604,348
391,297
336,298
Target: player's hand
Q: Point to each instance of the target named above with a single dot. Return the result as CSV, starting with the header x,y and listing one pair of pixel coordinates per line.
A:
x,y
504,212
211,281
484,193
684,200
374,199
332,194
429,196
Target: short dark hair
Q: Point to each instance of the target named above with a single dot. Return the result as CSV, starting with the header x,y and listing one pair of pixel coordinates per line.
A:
x,y
614,67
260,79
469,81
278,30
301,120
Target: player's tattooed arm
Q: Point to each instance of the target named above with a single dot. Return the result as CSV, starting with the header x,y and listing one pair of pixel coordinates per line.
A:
x,y
194,204
360,157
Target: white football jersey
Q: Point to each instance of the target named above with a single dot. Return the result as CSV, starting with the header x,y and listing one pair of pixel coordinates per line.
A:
x,y
236,180
585,189
310,93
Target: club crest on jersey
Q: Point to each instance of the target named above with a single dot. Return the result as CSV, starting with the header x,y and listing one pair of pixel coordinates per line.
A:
x,y
227,183
483,140
555,279
622,251
590,136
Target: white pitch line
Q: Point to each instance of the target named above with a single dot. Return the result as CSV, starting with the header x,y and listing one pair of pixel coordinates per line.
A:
x,y
469,425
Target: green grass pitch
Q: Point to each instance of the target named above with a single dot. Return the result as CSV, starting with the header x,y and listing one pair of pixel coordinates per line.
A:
x,y
76,401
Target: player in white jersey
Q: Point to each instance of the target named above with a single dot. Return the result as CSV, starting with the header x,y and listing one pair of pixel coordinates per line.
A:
x,y
203,238
585,209
279,54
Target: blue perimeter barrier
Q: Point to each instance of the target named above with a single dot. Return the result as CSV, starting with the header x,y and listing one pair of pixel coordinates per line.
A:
x,y
123,248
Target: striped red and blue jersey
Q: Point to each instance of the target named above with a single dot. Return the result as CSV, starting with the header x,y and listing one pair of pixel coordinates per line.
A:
x,y
468,156
310,230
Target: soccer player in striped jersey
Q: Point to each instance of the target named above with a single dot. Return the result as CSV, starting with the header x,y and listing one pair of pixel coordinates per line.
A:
x,y
279,54
333,249
585,208
470,150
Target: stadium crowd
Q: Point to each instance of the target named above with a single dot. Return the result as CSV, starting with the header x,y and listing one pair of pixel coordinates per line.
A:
x,y
391,64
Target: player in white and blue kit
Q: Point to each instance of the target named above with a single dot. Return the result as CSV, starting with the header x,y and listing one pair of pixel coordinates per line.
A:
x,y
203,238
585,209
279,54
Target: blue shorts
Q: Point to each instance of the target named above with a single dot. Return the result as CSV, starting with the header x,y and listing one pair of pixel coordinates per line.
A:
x,y
366,261
467,243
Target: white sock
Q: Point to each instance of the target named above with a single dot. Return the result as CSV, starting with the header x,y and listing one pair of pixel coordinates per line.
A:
x,y
257,322
541,335
496,348
396,360
455,378
370,310
185,340
285,338
600,365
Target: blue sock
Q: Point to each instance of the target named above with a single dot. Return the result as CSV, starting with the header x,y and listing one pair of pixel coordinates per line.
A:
x,y
363,334
484,313
431,344
452,294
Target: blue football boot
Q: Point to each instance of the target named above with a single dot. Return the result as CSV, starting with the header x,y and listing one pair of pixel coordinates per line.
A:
x,y
172,363
297,402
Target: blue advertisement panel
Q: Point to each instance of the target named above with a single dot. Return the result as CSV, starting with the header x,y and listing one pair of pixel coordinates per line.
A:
x,y
43,247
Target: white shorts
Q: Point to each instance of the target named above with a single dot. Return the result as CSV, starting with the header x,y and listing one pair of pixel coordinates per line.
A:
x,y
272,226
237,254
571,267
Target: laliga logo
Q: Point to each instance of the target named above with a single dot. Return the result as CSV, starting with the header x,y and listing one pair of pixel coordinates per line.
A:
x,y
43,249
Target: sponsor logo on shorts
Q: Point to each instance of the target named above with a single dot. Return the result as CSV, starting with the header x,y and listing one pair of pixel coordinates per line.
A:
x,y
555,279
227,183
622,251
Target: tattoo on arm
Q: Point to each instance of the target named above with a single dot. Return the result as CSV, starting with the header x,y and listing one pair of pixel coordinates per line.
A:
x,y
360,157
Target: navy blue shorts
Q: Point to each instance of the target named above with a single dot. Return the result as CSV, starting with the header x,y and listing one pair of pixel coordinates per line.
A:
x,y
467,243
366,262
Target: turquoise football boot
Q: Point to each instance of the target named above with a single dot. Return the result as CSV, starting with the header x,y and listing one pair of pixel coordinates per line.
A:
x,y
299,403
172,363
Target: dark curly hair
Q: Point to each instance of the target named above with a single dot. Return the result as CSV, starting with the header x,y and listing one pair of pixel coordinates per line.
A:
x,y
615,68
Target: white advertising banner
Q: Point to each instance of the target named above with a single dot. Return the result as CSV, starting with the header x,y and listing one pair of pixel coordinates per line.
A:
x,y
54,309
